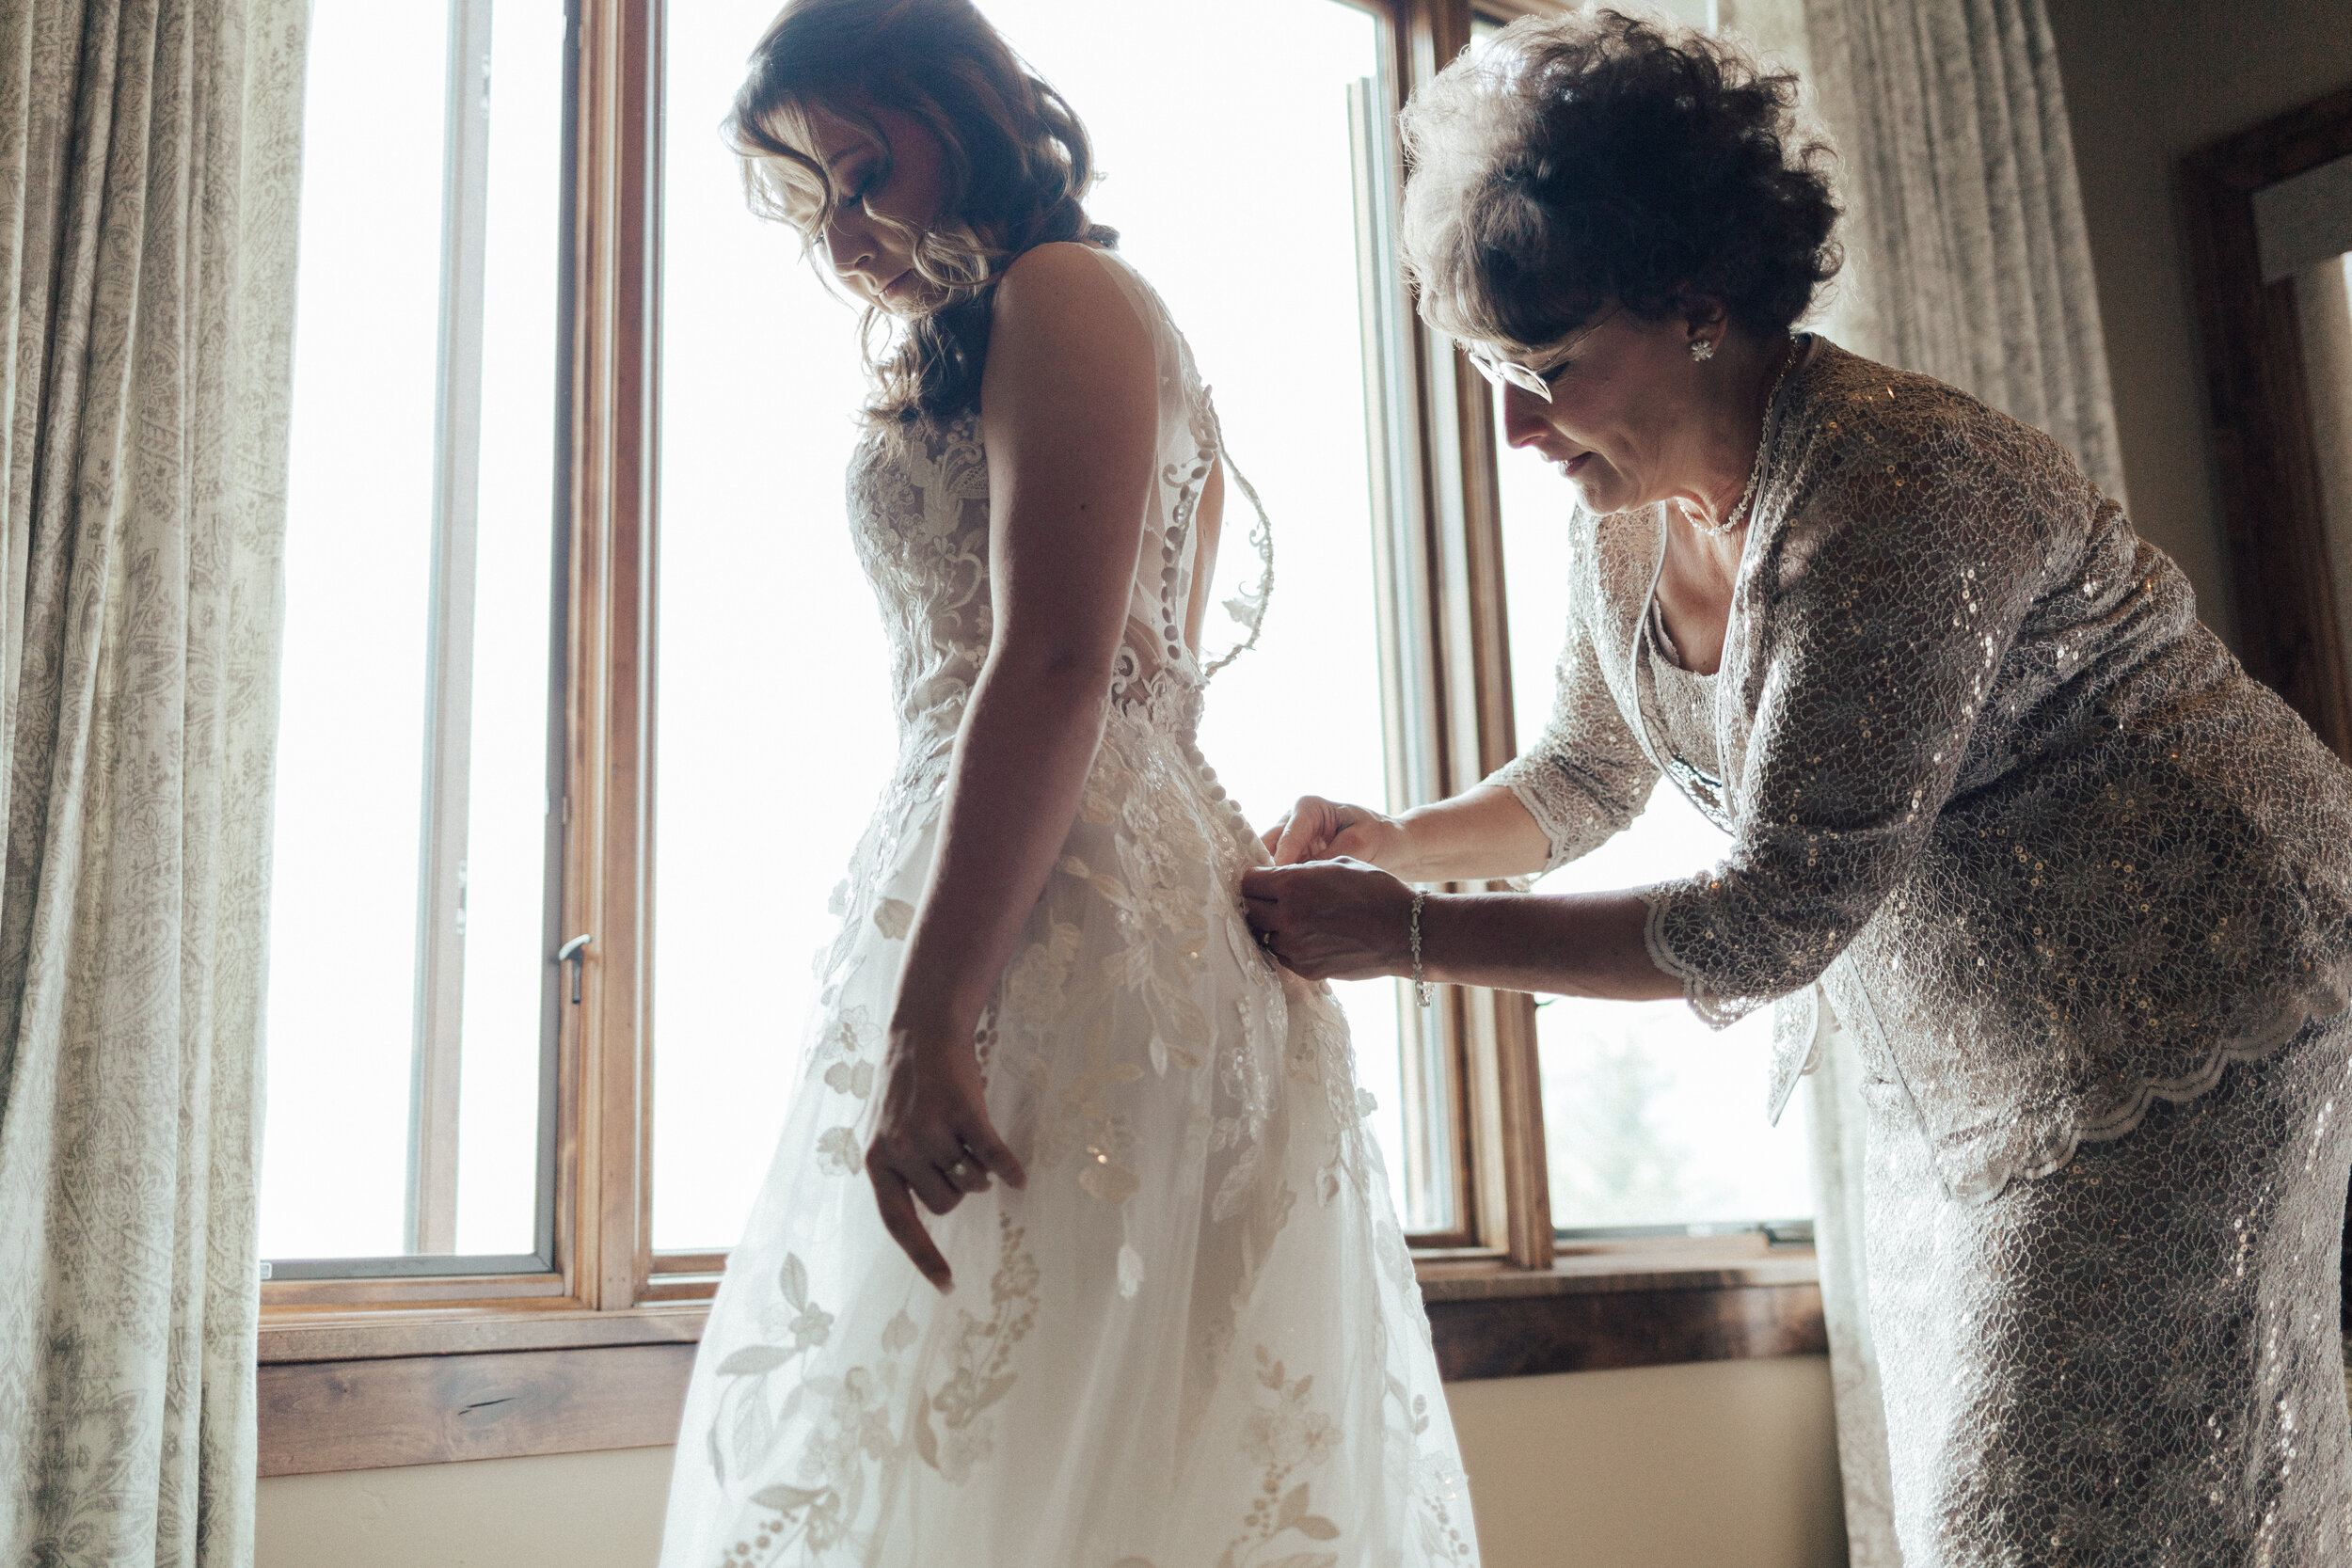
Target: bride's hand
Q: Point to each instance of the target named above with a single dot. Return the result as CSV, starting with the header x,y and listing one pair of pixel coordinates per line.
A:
x,y
1320,829
933,1141
1334,920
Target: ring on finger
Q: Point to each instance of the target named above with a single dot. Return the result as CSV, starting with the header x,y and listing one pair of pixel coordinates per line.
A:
x,y
960,1172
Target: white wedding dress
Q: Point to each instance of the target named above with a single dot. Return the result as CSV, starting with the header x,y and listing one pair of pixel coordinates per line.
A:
x,y
1195,1339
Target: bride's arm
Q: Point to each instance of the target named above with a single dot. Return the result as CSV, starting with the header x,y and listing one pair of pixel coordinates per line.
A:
x,y
1069,412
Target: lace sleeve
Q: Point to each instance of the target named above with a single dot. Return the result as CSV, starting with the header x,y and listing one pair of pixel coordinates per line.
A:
x,y
1902,578
1584,778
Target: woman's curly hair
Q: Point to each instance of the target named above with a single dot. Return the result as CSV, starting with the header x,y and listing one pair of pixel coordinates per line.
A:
x,y
1019,166
1612,157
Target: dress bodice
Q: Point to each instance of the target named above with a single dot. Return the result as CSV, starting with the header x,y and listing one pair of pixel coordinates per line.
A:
x,y
918,507
1680,706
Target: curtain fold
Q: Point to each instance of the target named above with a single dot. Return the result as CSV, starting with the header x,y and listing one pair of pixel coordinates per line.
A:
x,y
1833,1121
1968,256
148,172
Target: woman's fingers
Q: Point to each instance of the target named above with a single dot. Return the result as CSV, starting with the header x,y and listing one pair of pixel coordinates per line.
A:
x,y
1273,836
897,1201
965,1173
1304,830
928,1177
1337,920
991,1153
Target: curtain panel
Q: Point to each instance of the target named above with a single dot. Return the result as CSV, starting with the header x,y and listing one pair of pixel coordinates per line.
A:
x,y
1969,260
148,172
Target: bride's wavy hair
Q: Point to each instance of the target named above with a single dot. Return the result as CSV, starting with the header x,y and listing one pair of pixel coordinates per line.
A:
x,y
1018,162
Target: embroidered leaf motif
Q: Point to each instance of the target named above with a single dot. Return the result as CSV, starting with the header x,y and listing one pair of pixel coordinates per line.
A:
x,y
925,1440
753,1432
994,1389
837,1153
1314,1527
899,1333
850,1078
1294,1508
1114,1184
754,1359
784,1499
1234,1189
795,1280
892,917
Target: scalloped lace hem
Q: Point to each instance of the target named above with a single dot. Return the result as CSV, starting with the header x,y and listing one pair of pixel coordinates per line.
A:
x,y
1712,1011
1555,807
2324,997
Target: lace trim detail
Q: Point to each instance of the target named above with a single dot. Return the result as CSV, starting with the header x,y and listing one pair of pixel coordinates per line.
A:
x,y
1712,1011
2043,1143
1572,823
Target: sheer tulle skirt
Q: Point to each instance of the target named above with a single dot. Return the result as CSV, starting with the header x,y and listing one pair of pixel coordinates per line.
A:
x,y
1193,1341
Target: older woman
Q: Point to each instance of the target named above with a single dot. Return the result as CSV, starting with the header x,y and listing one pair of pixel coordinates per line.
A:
x,y
2080,889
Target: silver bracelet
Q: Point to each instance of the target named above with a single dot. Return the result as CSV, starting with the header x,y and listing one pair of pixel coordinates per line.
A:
x,y
1424,995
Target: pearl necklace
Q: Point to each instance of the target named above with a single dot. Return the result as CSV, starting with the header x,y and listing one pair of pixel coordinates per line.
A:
x,y
1738,513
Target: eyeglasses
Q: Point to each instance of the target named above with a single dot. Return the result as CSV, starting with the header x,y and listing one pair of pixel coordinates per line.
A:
x,y
1508,372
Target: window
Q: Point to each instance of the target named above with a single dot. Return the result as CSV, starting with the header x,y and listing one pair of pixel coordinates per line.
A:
x,y
410,1007
586,704
758,587
1652,1121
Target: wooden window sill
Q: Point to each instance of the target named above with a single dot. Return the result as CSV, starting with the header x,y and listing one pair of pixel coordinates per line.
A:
x,y
424,1386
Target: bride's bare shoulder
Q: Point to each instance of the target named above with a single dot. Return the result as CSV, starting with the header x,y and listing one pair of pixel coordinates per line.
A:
x,y
1067,300
1065,276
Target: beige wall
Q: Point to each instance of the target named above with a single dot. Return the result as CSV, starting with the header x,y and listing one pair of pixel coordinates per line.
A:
x,y
2147,80
1727,1466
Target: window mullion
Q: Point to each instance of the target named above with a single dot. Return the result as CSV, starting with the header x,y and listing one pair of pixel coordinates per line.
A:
x,y
605,1099
437,1063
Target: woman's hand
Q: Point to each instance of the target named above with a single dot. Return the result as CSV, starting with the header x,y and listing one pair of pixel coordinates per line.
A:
x,y
1333,919
935,1140
1320,829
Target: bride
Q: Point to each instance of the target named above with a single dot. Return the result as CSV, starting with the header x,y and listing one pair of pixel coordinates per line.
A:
x,y
1163,1317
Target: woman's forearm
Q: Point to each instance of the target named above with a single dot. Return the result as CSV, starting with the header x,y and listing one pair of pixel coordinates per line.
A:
x,y
1569,945
1482,834
1020,764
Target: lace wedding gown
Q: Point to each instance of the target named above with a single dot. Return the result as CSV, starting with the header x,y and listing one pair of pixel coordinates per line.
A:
x,y
1195,1339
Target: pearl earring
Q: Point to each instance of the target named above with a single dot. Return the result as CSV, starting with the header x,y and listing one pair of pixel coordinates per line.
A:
x,y
1701,349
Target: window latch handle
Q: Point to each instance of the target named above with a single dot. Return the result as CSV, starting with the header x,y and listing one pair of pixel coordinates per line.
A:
x,y
575,953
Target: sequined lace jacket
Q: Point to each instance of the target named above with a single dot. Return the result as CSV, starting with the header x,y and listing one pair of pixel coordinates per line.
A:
x,y
1993,790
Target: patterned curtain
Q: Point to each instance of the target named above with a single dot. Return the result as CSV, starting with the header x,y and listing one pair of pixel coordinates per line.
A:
x,y
1970,261
148,163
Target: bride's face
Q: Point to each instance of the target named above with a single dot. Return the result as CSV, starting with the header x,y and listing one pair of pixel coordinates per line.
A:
x,y
892,190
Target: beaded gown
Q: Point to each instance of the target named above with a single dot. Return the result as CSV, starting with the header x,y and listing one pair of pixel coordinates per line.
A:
x,y
2082,894
1195,1339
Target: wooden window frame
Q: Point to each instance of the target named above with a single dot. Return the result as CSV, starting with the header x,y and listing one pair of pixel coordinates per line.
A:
x,y
2261,416
594,1352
